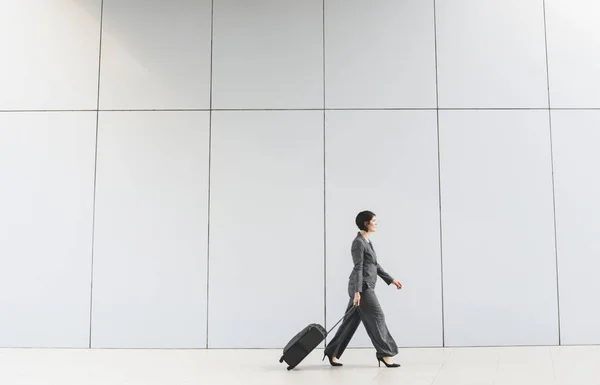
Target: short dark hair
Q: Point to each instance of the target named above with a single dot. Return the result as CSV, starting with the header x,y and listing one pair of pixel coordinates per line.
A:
x,y
362,218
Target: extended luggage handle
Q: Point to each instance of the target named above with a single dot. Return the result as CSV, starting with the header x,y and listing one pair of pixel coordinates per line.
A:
x,y
341,319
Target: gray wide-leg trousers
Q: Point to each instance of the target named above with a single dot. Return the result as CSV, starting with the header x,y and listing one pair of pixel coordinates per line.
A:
x,y
370,313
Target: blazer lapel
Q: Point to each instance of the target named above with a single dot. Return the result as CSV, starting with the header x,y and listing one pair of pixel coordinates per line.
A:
x,y
369,245
373,250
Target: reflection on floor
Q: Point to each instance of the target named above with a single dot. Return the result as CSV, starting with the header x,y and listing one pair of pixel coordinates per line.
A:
x,y
563,365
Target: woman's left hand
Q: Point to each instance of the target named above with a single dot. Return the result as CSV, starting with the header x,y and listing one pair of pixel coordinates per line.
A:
x,y
397,284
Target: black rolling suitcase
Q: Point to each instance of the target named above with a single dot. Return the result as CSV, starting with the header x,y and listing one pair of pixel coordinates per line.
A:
x,y
305,342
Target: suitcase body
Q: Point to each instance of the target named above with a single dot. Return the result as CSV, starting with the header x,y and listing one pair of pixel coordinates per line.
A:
x,y
305,342
302,344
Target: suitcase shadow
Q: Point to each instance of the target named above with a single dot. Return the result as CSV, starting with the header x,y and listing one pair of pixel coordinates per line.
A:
x,y
314,368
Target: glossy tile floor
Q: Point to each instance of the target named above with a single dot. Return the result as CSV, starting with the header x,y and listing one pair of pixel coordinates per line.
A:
x,y
563,365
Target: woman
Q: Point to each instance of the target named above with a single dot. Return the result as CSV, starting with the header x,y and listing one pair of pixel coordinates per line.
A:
x,y
361,289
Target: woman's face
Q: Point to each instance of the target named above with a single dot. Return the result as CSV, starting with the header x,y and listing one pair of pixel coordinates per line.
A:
x,y
372,225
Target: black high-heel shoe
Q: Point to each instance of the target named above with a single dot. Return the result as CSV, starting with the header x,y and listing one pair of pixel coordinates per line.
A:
x,y
331,362
394,365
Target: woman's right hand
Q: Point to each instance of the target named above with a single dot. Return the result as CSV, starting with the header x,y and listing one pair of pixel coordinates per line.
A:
x,y
357,299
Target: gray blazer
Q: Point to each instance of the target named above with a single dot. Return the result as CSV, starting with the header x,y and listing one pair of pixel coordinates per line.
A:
x,y
366,269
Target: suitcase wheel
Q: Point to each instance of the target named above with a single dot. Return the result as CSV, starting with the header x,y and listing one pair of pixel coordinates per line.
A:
x,y
289,368
281,360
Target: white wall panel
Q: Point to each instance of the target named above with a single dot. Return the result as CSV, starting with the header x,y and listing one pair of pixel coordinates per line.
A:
x,y
491,54
46,201
573,52
576,139
149,284
498,228
155,54
387,162
268,54
379,54
49,54
266,227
